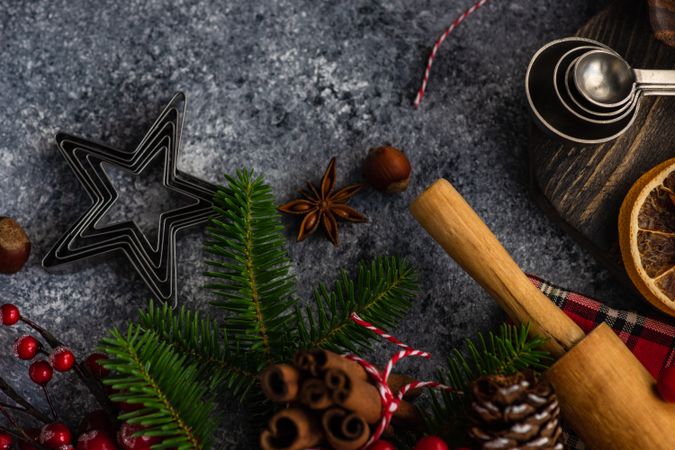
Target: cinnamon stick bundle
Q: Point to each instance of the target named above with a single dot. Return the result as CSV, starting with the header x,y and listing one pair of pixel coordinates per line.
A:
x,y
330,400
291,429
280,382
344,430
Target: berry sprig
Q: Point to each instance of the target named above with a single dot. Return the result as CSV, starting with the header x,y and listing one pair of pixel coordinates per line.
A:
x,y
64,359
27,347
98,431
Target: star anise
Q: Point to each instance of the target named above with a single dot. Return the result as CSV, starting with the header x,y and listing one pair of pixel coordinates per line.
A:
x,y
323,206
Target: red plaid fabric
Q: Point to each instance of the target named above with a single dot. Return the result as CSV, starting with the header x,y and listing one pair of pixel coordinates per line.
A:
x,y
651,340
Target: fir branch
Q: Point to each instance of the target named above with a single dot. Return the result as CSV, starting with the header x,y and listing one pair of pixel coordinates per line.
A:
x,y
509,350
163,360
149,372
251,270
200,340
382,294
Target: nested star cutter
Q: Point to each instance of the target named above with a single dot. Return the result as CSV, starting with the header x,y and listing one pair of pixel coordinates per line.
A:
x,y
155,263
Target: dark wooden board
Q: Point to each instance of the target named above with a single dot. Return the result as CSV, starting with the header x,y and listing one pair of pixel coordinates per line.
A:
x,y
583,186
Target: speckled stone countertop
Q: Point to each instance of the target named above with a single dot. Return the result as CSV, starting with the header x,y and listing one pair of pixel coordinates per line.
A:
x,y
280,86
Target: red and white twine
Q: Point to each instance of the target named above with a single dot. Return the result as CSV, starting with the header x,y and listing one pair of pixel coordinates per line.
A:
x,y
390,401
437,45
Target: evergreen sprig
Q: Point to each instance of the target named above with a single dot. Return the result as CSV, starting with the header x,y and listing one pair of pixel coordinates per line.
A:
x,y
172,362
152,374
509,350
382,294
251,270
200,338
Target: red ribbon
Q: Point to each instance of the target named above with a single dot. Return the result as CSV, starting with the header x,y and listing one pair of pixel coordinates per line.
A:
x,y
437,45
390,401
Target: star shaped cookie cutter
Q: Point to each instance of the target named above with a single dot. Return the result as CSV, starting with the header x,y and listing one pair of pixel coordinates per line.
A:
x,y
86,238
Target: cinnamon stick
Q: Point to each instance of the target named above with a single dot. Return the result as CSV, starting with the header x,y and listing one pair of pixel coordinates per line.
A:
x,y
280,382
397,381
408,415
364,399
344,430
314,394
354,394
317,361
291,429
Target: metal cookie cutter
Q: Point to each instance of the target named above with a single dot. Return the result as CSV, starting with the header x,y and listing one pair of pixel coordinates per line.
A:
x,y
154,262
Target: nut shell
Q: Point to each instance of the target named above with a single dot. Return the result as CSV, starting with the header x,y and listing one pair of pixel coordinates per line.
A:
x,y
387,169
15,246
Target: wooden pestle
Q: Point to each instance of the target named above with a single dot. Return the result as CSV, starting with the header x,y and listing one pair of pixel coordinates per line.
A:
x,y
605,393
450,220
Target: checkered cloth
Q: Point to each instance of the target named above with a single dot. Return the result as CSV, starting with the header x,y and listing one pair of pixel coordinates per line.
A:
x,y
651,340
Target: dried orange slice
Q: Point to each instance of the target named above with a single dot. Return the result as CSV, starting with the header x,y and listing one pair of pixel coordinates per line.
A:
x,y
647,235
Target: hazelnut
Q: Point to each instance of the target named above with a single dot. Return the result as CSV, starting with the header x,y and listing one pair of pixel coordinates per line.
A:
x,y
14,246
387,169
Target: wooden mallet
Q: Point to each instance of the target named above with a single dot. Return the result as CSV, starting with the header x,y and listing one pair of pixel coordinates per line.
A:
x,y
605,393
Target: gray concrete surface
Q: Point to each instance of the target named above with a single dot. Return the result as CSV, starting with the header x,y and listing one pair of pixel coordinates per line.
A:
x,y
280,86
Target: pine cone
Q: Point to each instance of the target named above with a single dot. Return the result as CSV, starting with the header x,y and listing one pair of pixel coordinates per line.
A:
x,y
514,412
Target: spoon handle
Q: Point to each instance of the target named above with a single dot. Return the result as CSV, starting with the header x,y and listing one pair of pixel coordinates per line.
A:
x,y
653,90
660,91
654,79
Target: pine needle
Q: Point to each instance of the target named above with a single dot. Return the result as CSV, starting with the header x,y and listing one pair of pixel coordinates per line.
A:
x,y
164,384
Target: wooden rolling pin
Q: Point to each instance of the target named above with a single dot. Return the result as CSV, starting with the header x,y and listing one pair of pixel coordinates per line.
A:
x,y
605,393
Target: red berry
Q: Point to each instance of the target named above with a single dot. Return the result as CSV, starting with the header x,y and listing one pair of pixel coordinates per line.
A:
x,y
96,369
62,359
5,441
97,420
9,314
666,384
95,440
381,445
431,443
55,435
40,372
26,347
126,438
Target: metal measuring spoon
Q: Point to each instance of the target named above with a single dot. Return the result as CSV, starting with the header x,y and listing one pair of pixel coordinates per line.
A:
x,y
605,79
583,104
549,113
565,94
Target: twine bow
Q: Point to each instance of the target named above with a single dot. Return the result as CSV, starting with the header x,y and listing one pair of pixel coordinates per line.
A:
x,y
390,401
